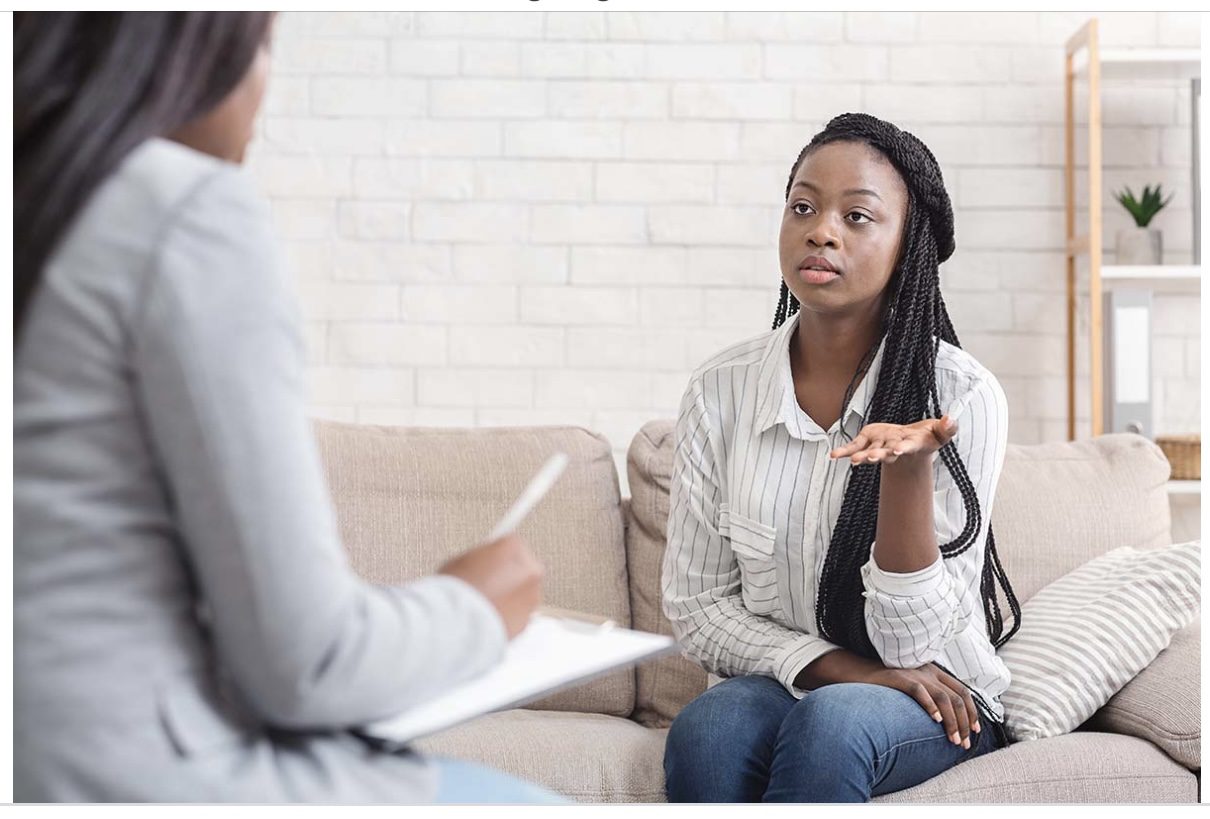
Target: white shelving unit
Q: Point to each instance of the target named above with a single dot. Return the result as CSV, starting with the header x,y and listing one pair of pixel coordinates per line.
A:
x,y
1166,278
1184,487
1147,63
1159,272
1088,63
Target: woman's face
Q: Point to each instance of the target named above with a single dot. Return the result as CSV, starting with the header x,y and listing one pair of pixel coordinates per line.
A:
x,y
847,208
226,130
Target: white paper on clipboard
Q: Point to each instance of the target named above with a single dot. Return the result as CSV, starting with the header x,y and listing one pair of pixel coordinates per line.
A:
x,y
550,655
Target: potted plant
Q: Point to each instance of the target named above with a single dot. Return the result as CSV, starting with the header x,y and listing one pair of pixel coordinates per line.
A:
x,y
1141,245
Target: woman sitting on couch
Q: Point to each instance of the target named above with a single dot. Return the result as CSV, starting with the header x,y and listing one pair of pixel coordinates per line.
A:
x,y
820,554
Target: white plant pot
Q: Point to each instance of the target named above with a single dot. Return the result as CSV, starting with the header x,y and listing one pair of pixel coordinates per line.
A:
x,y
1140,246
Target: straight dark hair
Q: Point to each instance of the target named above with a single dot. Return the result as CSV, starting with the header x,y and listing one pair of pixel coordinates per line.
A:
x,y
89,87
915,324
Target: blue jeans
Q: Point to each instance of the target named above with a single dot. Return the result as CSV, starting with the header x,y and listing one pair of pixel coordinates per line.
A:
x,y
465,783
747,739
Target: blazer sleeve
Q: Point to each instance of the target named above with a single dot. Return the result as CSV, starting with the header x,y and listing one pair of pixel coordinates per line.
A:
x,y
219,373
912,616
701,576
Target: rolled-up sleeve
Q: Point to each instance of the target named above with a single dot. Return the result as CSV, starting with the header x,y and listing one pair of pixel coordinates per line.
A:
x,y
912,616
701,578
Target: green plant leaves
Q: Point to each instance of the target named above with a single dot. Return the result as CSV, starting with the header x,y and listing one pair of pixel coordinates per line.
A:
x,y
1143,210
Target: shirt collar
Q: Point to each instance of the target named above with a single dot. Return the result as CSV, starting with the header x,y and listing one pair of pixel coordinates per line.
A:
x,y
776,402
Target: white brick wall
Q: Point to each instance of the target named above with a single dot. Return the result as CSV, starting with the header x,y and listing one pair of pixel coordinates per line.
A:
x,y
552,217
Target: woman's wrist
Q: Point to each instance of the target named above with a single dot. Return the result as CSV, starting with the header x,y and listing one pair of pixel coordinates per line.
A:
x,y
840,665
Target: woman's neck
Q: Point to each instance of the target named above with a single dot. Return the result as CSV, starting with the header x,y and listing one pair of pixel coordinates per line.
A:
x,y
830,349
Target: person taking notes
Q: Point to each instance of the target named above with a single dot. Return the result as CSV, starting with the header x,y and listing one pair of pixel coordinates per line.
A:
x,y
186,625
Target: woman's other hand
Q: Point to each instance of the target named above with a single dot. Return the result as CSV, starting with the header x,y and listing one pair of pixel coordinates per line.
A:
x,y
943,697
506,572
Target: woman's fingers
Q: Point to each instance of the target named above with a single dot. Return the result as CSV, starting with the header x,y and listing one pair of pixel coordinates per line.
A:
x,y
920,693
963,717
857,444
968,702
949,719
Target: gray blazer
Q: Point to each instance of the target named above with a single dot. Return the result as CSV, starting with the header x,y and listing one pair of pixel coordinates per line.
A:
x,y
186,625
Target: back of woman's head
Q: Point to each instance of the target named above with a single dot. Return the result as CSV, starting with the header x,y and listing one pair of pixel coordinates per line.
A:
x,y
914,325
88,87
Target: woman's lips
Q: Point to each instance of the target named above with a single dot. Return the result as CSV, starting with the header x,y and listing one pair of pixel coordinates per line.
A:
x,y
815,276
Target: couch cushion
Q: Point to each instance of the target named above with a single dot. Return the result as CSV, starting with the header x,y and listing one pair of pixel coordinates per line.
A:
x,y
666,685
408,499
593,758
1163,704
1079,767
1061,504
585,757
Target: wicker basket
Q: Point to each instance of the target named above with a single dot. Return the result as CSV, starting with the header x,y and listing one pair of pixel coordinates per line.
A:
x,y
1184,452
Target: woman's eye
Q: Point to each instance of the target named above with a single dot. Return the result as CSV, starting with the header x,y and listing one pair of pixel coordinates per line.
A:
x,y
800,207
862,215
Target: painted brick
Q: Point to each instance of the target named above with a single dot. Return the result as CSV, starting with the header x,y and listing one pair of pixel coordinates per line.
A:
x,y
576,306
383,343
503,346
368,96
588,224
459,304
612,99
413,179
470,388
486,99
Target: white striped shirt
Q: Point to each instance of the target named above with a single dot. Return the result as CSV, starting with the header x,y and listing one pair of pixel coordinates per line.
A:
x,y
754,501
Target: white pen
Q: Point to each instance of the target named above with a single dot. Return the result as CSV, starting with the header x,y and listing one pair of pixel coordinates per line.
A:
x,y
538,486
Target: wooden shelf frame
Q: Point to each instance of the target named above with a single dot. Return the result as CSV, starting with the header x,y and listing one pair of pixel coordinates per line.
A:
x,y
1084,62
1085,40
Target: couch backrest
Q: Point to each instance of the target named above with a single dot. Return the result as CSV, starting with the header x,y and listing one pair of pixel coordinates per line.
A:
x,y
1057,506
408,499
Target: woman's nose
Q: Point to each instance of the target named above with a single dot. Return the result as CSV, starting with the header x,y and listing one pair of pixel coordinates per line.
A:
x,y
822,232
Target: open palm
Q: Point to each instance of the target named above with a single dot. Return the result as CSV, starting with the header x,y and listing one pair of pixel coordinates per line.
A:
x,y
888,443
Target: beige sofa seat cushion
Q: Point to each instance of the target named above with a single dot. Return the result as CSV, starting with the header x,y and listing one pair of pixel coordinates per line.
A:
x,y
585,757
1163,704
408,499
666,685
1058,505
1078,767
594,758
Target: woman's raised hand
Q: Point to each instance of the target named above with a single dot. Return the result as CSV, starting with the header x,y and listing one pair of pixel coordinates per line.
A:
x,y
888,443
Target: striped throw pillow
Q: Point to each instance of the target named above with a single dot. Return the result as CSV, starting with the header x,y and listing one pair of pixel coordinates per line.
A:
x,y
1087,634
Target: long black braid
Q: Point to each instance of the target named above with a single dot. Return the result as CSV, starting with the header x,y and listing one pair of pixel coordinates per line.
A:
x,y
915,324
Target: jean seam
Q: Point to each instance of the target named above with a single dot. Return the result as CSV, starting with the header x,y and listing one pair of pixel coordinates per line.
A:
x,y
878,759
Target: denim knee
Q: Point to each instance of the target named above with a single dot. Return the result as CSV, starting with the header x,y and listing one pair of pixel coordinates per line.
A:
x,y
739,711
720,745
837,716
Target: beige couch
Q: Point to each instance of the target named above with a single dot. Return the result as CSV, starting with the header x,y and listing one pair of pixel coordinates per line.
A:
x,y
409,498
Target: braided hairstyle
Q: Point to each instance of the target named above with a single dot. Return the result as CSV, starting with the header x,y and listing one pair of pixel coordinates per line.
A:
x,y
916,322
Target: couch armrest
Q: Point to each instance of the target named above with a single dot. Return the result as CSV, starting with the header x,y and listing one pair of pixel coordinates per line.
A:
x,y
1163,703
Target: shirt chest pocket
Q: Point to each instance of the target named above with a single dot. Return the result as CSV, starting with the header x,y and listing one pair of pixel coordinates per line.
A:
x,y
752,543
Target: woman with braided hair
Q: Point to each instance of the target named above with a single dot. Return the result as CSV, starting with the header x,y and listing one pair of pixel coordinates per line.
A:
x,y
830,551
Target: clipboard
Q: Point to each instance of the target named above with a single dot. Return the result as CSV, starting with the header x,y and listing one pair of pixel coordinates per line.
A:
x,y
552,654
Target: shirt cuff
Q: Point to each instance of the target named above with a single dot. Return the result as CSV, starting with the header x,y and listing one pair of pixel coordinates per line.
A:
x,y
902,584
796,656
